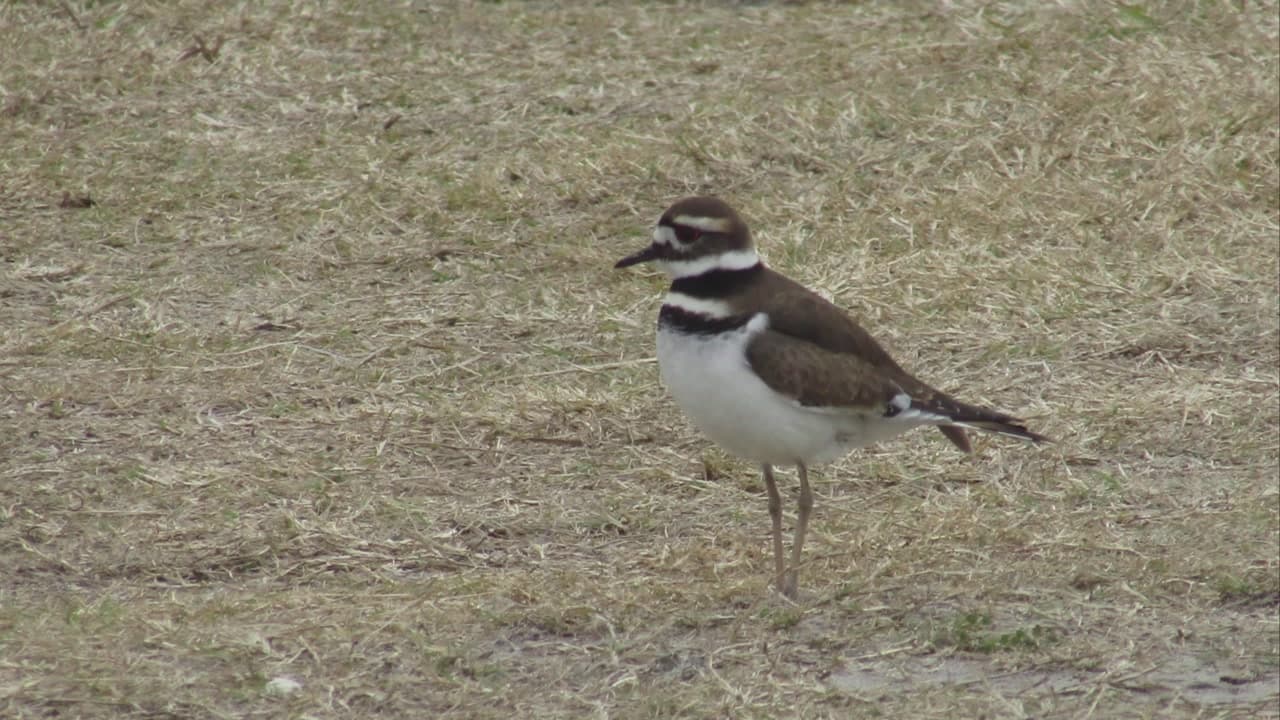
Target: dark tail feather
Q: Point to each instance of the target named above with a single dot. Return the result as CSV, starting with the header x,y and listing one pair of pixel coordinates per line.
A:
x,y
1012,427
962,416
956,435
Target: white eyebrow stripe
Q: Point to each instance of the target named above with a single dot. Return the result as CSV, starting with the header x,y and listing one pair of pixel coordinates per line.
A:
x,y
663,235
706,224
699,306
693,267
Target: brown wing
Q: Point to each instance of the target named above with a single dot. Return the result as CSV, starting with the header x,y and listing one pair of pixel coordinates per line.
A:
x,y
817,377
796,311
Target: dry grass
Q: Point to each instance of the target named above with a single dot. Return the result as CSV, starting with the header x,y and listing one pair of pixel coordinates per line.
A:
x,y
332,380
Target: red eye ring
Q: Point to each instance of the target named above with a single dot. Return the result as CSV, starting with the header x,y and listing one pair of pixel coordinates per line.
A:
x,y
687,235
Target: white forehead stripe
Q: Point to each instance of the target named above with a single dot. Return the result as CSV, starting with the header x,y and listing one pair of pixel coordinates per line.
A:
x,y
699,306
705,224
663,235
695,266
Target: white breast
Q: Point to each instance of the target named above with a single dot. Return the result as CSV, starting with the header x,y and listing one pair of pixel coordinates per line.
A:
x,y
711,381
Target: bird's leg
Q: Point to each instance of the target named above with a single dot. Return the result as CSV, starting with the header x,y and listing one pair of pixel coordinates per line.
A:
x,y
775,514
802,527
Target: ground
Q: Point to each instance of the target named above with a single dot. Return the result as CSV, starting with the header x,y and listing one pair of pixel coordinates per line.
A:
x,y
319,396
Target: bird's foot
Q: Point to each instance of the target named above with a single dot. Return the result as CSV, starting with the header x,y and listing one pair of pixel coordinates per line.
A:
x,y
789,584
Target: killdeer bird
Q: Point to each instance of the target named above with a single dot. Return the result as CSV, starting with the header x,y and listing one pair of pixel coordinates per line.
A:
x,y
774,373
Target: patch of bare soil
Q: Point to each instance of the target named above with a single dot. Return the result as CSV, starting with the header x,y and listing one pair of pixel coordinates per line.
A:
x,y
1184,677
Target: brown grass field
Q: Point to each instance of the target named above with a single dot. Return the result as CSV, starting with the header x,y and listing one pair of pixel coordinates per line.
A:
x,y
319,397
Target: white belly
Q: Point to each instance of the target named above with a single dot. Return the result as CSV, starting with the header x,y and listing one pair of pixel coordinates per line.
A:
x,y
710,379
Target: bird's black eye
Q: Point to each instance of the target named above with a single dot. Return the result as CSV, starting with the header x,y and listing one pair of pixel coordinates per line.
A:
x,y
687,235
